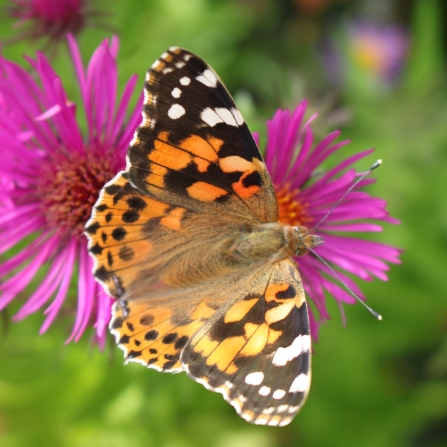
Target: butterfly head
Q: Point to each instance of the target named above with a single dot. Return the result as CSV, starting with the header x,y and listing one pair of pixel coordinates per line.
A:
x,y
299,240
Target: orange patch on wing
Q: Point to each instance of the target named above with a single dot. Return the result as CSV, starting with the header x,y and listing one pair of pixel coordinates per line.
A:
x,y
239,310
172,220
278,313
198,146
148,97
216,143
205,192
150,78
202,311
154,208
202,165
125,254
205,346
274,289
273,336
113,217
235,163
250,329
158,66
133,325
257,341
242,191
156,176
169,156
225,352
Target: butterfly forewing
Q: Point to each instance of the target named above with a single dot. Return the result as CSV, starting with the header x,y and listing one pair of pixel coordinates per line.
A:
x,y
172,238
193,148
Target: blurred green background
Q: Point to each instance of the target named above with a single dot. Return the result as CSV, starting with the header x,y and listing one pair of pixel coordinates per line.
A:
x,y
374,383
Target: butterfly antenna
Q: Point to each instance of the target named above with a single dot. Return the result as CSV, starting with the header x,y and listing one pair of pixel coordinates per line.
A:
x,y
373,312
374,166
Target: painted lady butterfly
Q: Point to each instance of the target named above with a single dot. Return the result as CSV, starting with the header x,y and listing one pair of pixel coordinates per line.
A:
x,y
188,240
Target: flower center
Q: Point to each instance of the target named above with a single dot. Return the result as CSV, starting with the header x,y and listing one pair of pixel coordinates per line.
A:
x,y
292,211
69,187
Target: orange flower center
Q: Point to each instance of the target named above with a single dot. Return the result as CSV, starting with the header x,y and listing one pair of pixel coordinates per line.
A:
x,y
292,211
69,188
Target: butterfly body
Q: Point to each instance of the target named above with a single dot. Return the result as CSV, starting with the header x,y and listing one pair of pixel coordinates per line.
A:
x,y
188,240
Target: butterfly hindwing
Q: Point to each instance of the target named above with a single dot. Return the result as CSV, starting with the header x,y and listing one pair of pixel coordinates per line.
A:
x,y
253,347
193,148
257,353
153,326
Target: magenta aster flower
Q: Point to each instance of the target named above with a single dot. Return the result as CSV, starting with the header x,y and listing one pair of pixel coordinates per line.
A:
x,y
50,177
50,18
304,199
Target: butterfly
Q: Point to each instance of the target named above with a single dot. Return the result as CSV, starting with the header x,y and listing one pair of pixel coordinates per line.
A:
x,y
187,239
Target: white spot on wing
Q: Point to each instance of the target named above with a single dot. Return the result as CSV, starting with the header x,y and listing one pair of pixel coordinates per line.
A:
x,y
261,421
176,92
180,64
300,384
306,343
279,394
282,408
221,115
210,117
293,409
176,111
134,139
268,410
207,78
284,355
238,116
226,116
273,423
265,391
185,80
254,378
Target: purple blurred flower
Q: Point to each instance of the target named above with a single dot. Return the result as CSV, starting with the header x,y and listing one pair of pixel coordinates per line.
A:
x,y
50,177
50,18
380,51
369,51
304,199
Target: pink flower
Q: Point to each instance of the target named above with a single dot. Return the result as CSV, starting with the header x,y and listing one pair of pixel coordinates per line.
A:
x,y
304,198
50,177
50,18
